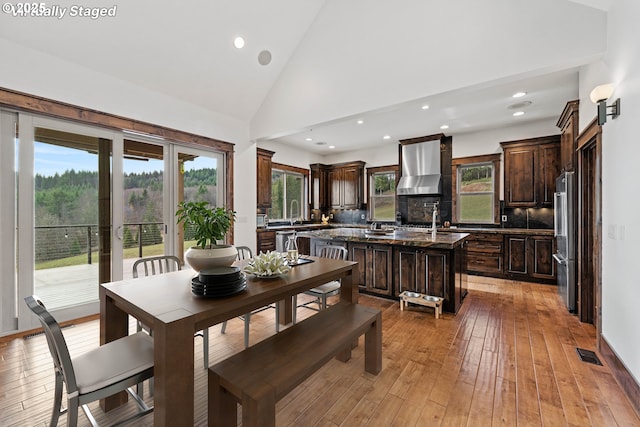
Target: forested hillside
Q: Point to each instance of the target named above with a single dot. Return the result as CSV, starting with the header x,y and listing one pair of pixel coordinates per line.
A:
x,y
71,200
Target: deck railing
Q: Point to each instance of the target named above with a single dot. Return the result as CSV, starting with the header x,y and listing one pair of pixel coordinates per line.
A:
x,y
53,242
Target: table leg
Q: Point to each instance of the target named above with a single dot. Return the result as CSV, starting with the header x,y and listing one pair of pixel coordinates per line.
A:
x,y
285,316
114,324
349,286
173,373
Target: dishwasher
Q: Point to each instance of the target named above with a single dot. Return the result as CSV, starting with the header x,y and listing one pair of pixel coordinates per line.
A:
x,y
281,239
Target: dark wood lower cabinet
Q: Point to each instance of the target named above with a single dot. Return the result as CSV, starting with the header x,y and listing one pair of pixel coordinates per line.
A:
x,y
517,255
266,241
376,267
304,245
531,258
432,272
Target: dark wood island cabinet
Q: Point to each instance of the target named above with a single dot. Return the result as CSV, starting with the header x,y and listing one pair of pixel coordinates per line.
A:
x,y
398,261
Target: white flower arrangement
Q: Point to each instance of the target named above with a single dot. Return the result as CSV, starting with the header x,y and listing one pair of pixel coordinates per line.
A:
x,y
268,264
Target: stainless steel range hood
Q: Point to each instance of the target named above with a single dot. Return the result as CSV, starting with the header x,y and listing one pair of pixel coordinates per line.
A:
x,y
420,169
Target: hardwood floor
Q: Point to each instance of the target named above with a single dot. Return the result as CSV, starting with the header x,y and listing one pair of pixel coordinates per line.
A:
x,y
507,358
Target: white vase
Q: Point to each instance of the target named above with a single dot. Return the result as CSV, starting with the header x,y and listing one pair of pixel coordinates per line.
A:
x,y
214,256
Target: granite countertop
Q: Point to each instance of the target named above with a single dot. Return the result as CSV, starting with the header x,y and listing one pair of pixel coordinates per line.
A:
x,y
390,237
311,226
528,231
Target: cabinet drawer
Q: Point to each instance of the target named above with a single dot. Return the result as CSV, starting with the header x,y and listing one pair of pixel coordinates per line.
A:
x,y
484,263
485,246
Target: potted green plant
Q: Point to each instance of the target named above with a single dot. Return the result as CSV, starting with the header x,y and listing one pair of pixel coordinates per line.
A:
x,y
209,225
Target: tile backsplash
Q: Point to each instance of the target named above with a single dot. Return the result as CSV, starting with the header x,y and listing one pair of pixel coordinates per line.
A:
x,y
528,218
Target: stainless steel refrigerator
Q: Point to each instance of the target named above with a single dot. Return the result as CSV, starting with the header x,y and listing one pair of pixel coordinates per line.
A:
x,y
564,231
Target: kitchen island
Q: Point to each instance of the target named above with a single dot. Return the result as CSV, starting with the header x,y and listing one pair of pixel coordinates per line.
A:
x,y
394,261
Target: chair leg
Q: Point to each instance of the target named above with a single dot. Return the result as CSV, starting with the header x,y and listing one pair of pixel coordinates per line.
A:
x,y
324,301
57,400
224,327
72,412
247,320
205,347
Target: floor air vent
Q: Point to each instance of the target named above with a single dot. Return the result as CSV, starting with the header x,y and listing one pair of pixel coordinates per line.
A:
x,y
37,334
588,356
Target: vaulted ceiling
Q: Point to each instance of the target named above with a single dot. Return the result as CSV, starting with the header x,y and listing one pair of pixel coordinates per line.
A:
x,y
337,61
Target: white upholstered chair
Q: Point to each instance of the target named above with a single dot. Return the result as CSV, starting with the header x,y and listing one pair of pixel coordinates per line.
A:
x,y
164,264
96,374
322,292
244,252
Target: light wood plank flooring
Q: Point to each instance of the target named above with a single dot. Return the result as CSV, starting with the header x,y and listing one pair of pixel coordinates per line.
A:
x,y
507,358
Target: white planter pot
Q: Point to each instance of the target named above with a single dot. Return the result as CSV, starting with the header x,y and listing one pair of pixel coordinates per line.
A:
x,y
214,256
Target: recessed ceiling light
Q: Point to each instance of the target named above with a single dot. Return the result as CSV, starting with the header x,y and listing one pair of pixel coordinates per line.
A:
x,y
444,127
309,139
332,147
238,42
518,113
425,107
386,137
519,105
519,94
321,143
360,122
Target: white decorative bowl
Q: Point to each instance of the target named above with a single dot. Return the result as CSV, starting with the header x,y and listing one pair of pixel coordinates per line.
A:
x,y
215,256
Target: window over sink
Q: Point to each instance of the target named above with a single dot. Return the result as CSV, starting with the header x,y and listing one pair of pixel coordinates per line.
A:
x,y
382,182
289,195
476,198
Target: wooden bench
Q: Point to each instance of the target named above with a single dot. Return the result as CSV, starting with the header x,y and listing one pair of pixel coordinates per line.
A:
x,y
260,375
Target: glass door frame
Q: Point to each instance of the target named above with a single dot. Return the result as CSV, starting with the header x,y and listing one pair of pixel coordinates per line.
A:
x,y
25,228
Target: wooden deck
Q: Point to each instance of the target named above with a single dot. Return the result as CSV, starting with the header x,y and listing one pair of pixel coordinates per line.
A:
x,y
507,359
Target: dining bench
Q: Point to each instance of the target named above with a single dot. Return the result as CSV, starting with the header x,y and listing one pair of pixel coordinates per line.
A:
x,y
262,374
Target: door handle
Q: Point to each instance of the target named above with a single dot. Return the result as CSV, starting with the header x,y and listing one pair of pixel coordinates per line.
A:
x,y
559,259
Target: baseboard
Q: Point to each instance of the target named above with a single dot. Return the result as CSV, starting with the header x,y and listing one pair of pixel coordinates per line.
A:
x,y
622,375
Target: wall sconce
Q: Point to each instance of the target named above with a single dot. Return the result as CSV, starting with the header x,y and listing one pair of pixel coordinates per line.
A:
x,y
599,95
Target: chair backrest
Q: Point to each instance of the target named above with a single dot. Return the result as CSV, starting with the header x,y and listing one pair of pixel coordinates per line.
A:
x,y
244,252
156,265
55,340
333,252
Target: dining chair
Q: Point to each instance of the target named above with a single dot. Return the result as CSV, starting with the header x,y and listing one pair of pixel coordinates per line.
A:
x,y
96,374
244,252
322,292
150,266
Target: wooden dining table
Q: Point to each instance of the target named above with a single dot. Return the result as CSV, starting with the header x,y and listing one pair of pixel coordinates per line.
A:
x,y
165,303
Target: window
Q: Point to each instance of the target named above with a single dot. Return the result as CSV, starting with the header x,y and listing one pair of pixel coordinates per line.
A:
x,y
288,193
476,198
382,193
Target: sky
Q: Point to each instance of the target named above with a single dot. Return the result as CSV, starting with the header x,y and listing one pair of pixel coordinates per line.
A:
x,y
51,159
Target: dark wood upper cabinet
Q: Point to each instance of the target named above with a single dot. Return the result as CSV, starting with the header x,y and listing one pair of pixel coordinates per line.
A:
x,y
319,181
531,167
339,186
568,124
264,178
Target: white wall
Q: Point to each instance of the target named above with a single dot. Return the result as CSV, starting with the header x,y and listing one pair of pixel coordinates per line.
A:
x,y
341,69
44,75
620,194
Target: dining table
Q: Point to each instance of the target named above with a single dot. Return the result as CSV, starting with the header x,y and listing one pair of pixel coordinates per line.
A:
x,y
166,303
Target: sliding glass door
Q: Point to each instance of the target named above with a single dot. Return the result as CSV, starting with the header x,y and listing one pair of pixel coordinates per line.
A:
x,y
199,176
65,219
80,204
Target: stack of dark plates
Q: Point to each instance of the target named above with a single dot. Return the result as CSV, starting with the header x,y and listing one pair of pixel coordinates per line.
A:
x,y
219,282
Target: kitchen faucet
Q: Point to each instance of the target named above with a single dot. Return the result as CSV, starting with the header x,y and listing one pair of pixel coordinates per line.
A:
x,y
291,218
